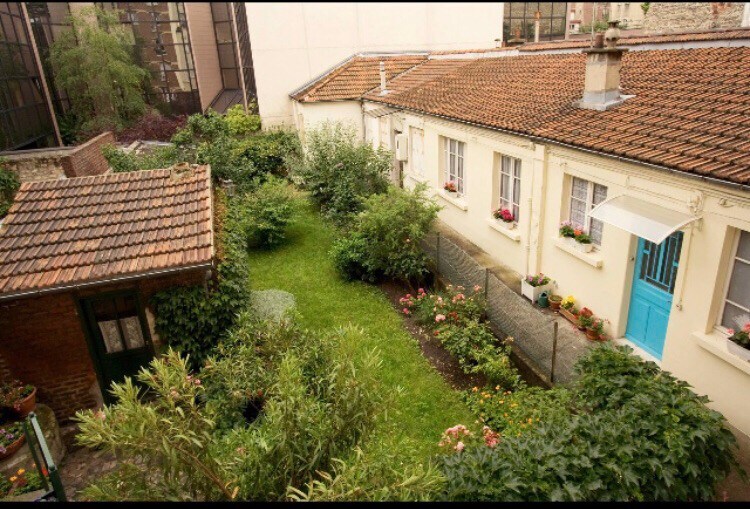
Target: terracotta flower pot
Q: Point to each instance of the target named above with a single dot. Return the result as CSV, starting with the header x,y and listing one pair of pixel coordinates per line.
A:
x,y
11,449
571,317
25,406
592,334
555,304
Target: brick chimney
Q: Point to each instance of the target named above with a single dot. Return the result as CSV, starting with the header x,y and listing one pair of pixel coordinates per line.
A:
x,y
601,90
383,89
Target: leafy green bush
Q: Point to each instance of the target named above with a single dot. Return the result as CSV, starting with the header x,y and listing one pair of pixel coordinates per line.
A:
x,y
264,214
454,305
241,123
158,157
192,320
268,151
339,171
633,432
9,184
384,240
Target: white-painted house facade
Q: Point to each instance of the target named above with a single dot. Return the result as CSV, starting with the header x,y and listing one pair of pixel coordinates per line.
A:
x,y
666,152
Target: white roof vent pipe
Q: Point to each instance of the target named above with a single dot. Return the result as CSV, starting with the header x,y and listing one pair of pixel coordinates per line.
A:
x,y
383,90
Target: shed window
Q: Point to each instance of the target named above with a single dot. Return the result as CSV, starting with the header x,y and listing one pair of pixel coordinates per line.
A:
x,y
119,324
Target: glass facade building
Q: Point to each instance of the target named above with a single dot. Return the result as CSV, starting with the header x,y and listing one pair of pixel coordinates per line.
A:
x,y
25,118
519,17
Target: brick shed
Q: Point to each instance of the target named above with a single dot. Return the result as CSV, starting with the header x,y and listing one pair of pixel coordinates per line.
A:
x,y
79,261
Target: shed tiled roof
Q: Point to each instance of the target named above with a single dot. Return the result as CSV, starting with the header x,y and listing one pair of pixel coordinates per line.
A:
x,y
88,229
690,111
355,77
418,75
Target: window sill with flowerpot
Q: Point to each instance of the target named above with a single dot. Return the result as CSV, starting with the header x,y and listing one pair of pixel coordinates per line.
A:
x,y
718,344
454,199
510,230
569,246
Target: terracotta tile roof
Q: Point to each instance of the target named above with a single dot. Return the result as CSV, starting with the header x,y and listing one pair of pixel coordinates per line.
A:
x,y
86,229
355,77
419,75
690,111
711,35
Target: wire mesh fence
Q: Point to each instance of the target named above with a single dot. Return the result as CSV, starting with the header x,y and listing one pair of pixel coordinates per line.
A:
x,y
552,348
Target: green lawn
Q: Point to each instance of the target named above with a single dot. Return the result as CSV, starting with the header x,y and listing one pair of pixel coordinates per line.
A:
x,y
425,405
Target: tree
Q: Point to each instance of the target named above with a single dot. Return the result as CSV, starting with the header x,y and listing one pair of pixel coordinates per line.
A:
x,y
93,62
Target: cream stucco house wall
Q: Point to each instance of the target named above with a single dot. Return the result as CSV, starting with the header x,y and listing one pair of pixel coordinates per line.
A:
x,y
695,348
294,42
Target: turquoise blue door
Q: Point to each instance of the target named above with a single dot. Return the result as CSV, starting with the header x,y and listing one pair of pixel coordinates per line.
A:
x,y
651,298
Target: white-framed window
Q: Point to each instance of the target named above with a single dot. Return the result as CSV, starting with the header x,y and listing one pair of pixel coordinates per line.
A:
x,y
510,185
416,161
584,196
735,310
454,162
371,131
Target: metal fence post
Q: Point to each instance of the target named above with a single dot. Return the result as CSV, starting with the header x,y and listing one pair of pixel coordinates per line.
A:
x,y
554,352
437,256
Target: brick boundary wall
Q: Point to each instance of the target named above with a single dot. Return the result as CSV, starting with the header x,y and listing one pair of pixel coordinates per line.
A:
x,y
87,159
60,162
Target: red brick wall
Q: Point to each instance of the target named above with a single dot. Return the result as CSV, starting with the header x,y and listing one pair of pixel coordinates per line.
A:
x,y
87,159
42,343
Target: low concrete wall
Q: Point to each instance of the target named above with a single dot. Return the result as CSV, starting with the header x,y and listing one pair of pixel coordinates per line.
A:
x,y
61,162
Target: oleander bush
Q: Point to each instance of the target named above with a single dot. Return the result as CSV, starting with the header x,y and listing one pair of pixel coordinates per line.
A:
x,y
340,171
627,431
384,240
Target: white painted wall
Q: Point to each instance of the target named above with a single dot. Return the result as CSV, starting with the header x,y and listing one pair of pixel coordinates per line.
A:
x,y
292,43
310,115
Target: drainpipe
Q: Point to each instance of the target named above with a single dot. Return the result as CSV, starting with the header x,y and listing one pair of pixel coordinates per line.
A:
x,y
40,70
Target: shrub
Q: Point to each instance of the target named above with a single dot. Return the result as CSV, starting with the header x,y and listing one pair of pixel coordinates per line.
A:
x,y
633,433
241,123
194,320
318,409
454,305
264,214
9,184
164,445
275,305
372,477
384,240
157,157
513,413
339,171
267,151
152,126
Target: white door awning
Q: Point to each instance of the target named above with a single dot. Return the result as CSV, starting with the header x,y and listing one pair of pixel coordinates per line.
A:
x,y
646,220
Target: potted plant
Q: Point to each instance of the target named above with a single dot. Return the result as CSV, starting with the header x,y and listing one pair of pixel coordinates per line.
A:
x,y
11,439
532,286
450,186
585,318
583,241
567,232
568,309
595,331
555,301
739,342
506,216
21,398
